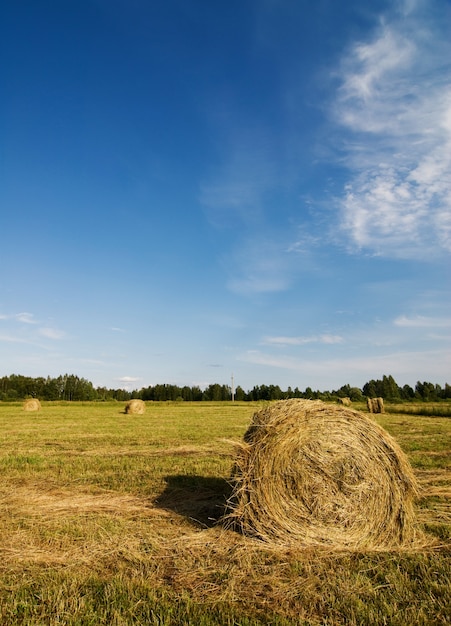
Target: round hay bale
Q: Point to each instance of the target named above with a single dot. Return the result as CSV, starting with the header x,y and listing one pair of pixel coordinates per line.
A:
x,y
135,407
32,404
375,405
317,474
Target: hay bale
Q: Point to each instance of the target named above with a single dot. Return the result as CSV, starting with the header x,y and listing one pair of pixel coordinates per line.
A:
x,y
315,474
135,407
32,404
375,405
345,401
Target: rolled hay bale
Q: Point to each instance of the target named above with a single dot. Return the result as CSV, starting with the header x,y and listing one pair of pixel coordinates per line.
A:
x,y
135,407
375,405
32,404
316,474
345,401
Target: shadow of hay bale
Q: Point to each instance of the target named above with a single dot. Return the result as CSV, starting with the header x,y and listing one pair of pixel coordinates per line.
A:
x,y
202,500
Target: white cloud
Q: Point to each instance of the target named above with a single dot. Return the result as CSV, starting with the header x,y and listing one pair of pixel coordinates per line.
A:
x,y
369,65
395,99
26,318
23,318
128,382
28,334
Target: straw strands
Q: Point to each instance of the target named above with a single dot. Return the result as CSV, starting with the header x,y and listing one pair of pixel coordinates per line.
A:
x,y
135,407
32,404
375,405
315,474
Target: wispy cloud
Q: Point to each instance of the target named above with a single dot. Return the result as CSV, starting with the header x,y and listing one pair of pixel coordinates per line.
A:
x,y
25,328
238,196
259,265
23,318
26,318
51,333
420,321
128,379
299,341
128,382
395,102
12,339
404,365
233,196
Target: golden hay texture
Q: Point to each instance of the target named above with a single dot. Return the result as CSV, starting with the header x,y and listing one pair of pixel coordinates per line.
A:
x,y
135,407
316,474
375,405
32,404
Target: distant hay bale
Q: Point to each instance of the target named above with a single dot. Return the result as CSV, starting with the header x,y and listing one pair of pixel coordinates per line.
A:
x,y
32,404
375,405
315,474
135,407
345,401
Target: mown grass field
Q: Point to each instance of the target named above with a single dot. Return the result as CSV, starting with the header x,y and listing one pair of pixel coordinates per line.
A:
x,y
110,519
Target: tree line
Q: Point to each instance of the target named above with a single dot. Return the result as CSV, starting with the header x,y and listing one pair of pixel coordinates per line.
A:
x,y
73,388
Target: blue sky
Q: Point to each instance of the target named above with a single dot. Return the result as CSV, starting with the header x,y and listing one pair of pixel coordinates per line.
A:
x,y
194,189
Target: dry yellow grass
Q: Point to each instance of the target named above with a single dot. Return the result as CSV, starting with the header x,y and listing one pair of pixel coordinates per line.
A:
x,y
106,520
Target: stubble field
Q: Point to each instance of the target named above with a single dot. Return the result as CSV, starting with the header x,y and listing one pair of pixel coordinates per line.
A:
x,y
111,519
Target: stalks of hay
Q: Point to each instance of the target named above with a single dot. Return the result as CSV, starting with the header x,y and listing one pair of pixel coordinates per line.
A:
x,y
317,474
375,405
135,407
32,404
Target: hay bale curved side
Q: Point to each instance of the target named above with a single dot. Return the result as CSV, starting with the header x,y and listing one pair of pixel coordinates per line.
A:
x,y
317,474
135,407
375,405
32,404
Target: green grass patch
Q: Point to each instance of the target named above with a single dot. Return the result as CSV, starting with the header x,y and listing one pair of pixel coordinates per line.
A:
x,y
428,409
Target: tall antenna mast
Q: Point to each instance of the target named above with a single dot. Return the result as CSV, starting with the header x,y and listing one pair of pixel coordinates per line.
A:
x,y
233,389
